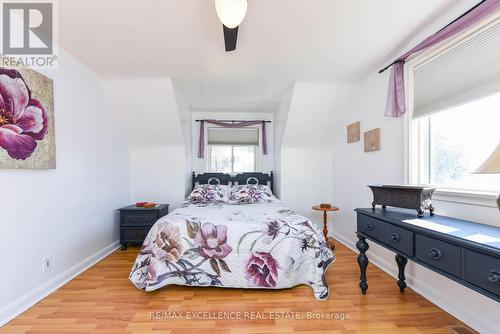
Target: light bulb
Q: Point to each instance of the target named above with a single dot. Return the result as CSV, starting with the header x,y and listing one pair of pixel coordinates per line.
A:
x,y
231,12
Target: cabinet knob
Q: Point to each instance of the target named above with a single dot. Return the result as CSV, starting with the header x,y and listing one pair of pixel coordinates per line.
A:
x,y
434,254
494,277
369,227
395,237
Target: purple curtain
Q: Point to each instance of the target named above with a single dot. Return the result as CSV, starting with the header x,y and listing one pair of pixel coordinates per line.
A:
x,y
395,106
229,124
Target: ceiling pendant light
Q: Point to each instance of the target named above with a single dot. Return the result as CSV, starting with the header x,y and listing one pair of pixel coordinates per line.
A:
x,y
231,12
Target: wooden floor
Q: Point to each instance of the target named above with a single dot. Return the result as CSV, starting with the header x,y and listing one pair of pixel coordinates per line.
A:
x,y
103,300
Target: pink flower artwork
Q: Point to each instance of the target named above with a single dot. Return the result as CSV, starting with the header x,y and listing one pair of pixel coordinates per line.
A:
x,y
23,119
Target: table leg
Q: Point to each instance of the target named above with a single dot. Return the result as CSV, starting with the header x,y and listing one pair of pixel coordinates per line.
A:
x,y
325,231
362,246
325,226
401,261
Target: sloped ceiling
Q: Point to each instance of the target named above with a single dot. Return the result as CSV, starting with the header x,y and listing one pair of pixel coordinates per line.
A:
x,y
280,42
159,122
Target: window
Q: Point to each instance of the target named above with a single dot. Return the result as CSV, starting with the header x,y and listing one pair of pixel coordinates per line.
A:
x,y
232,150
455,142
232,158
454,119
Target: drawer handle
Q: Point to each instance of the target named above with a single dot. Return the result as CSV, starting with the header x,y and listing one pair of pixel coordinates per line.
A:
x,y
395,237
434,254
139,234
139,218
369,227
494,277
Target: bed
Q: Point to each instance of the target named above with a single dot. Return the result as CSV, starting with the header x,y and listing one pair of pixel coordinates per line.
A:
x,y
258,245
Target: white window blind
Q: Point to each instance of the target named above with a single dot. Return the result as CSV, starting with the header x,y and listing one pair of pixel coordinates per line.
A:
x,y
225,136
467,71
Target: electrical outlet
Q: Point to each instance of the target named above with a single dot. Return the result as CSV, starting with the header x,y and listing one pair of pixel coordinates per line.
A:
x,y
47,264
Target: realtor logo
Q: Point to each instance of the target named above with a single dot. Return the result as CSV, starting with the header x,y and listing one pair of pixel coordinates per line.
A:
x,y
28,33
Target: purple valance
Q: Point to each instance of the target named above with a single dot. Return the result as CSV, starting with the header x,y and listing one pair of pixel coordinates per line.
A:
x,y
396,105
229,124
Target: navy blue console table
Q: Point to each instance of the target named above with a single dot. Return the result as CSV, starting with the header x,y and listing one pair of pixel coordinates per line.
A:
x,y
464,251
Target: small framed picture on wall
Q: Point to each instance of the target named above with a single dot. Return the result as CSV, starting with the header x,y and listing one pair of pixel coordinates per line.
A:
x,y
353,132
372,140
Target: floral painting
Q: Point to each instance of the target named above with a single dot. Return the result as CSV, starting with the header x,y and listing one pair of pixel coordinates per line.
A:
x,y
260,245
26,119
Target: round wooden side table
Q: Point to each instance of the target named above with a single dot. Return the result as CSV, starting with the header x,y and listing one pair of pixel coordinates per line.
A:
x,y
325,222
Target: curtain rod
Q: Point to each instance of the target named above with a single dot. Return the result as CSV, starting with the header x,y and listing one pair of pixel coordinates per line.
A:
x,y
232,120
446,26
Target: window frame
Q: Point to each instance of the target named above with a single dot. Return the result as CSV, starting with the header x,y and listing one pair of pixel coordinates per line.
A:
x,y
257,149
415,137
208,167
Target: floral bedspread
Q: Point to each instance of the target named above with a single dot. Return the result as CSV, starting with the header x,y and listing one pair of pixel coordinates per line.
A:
x,y
240,246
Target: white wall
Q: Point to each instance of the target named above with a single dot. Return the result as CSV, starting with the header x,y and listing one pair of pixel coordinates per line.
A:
x,y
354,169
67,213
266,161
149,113
186,117
306,160
157,174
279,131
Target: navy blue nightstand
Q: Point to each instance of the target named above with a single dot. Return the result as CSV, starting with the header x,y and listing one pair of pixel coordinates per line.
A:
x,y
135,223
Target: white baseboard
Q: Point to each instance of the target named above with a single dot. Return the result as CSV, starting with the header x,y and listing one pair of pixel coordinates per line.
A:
x,y
18,306
483,324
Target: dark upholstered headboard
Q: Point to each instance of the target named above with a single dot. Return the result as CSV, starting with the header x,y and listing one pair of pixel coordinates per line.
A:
x,y
242,178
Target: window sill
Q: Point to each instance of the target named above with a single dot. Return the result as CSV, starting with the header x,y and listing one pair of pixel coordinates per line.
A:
x,y
477,198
